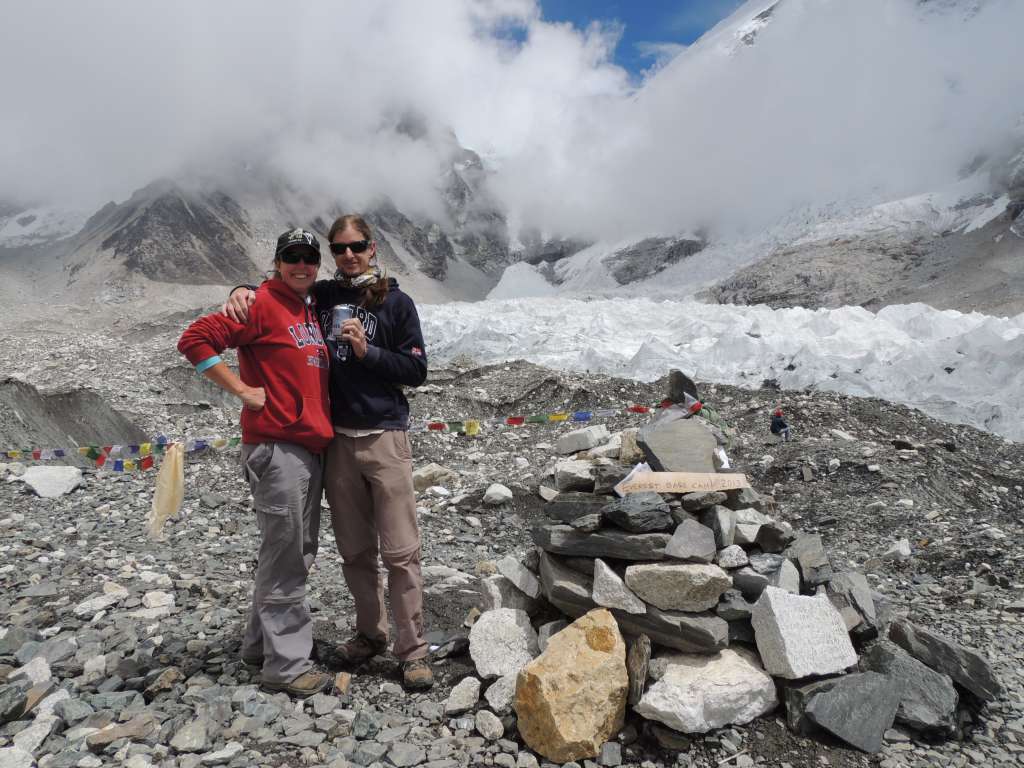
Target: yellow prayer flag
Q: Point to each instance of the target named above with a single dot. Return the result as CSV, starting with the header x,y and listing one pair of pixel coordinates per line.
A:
x,y
558,417
472,427
145,449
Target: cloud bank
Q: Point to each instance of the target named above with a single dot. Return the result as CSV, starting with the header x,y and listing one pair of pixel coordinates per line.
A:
x,y
835,100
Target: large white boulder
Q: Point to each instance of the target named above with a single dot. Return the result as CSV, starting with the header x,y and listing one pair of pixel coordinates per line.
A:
x,y
696,694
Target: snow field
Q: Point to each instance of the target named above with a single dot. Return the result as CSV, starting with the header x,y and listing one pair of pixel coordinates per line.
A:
x,y
961,368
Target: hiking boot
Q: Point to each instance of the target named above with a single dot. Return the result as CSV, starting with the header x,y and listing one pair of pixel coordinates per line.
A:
x,y
306,684
417,675
360,648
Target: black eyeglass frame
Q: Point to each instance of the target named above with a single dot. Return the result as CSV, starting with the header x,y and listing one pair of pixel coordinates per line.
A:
x,y
295,255
357,246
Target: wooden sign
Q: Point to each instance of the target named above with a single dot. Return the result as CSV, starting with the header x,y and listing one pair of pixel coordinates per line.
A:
x,y
681,482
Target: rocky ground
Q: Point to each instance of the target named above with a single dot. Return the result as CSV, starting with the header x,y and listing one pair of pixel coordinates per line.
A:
x,y
116,628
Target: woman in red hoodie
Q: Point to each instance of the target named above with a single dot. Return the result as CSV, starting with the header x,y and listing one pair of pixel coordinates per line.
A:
x,y
286,424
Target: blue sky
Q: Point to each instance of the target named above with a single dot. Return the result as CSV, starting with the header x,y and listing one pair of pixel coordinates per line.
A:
x,y
647,24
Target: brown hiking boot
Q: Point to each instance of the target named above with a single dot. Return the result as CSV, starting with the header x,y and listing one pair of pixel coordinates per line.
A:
x,y
360,648
306,684
417,675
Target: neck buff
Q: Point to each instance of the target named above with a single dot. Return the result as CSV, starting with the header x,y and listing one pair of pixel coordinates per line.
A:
x,y
367,278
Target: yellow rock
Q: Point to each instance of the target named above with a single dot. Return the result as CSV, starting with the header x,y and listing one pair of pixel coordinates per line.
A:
x,y
572,698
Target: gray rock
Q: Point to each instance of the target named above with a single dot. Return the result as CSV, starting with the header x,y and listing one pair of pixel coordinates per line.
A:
x,y
927,698
749,582
563,540
786,578
52,482
574,475
967,667
12,757
498,592
701,500
611,591
369,752
582,439
524,579
500,693
797,696
638,658
569,506
731,557
192,737
587,523
323,704
858,708
547,630
683,445
489,726
800,636
766,564
639,513
35,672
402,754
775,536
733,606
851,589
722,522
611,754
223,756
692,542
496,495
30,739
745,534
682,587
808,554
502,642
463,697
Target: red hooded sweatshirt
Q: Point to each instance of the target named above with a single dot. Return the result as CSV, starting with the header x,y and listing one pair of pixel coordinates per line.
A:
x,y
281,350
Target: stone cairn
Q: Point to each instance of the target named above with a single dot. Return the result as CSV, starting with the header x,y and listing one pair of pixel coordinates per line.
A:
x,y
727,613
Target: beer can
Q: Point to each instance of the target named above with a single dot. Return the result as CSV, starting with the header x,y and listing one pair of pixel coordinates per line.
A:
x,y
339,314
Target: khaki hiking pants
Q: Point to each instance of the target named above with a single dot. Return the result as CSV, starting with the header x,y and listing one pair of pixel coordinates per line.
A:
x,y
373,511
286,482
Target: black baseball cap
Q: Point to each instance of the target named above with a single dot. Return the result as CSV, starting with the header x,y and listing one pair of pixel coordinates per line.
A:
x,y
296,238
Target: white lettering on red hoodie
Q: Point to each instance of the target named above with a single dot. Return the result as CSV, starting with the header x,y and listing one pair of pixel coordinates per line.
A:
x,y
280,349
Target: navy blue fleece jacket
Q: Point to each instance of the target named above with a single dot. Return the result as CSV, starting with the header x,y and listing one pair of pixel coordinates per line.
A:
x,y
366,394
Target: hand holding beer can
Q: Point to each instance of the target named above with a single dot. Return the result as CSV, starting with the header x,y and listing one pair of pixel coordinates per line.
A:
x,y
339,314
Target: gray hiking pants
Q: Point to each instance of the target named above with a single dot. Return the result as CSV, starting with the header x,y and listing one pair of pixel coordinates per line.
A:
x,y
286,488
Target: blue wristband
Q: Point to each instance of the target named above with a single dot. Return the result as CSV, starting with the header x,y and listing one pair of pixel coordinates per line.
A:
x,y
208,363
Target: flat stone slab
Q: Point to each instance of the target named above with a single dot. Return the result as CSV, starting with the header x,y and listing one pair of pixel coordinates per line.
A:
x,y
696,694
678,586
523,578
800,636
692,542
965,666
684,445
640,513
582,439
619,545
927,698
570,592
52,482
571,505
858,709
611,591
